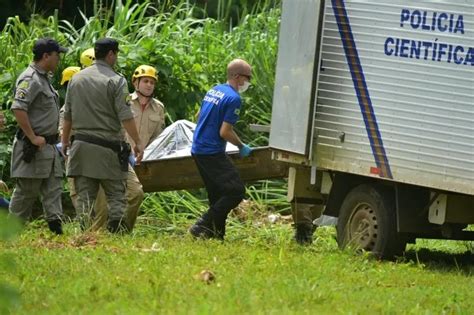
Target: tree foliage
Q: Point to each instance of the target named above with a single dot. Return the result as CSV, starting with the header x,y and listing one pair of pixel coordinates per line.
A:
x,y
189,49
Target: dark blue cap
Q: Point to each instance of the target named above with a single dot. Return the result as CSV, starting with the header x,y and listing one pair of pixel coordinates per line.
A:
x,y
106,44
47,45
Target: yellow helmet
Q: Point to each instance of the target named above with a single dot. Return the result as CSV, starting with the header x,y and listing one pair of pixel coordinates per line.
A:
x,y
68,73
87,57
144,71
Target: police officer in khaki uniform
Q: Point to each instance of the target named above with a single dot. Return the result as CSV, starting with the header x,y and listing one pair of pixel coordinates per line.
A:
x,y
97,105
36,163
150,120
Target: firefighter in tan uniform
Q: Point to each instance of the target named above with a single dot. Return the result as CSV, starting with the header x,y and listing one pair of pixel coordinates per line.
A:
x,y
149,114
67,75
87,59
36,163
97,106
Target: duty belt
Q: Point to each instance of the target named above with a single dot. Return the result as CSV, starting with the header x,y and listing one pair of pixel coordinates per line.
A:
x,y
122,148
51,139
114,145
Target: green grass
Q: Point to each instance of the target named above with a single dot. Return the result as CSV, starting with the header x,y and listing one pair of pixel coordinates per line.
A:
x,y
258,269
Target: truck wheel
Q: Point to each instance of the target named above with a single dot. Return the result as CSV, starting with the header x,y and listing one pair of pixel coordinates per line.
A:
x,y
367,221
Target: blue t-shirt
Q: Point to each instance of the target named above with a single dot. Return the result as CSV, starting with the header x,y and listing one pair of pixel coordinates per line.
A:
x,y
221,103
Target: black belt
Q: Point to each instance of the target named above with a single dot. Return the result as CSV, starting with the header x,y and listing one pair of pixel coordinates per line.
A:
x,y
114,145
51,139
122,148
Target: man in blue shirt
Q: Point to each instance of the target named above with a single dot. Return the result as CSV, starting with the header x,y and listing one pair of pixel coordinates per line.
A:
x,y
219,112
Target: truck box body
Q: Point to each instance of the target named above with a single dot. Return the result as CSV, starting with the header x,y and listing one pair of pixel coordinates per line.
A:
x,y
379,88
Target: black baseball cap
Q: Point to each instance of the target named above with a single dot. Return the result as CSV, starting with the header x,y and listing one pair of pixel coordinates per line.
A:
x,y
47,45
106,44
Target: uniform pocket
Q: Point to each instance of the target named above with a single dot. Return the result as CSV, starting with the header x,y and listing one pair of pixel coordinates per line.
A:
x,y
44,160
154,122
48,99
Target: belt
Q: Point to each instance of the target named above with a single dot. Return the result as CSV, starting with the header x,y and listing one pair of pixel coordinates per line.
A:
x,y
114,145
51,139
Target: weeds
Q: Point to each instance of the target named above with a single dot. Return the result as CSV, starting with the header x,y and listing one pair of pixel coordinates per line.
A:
x,y
256,270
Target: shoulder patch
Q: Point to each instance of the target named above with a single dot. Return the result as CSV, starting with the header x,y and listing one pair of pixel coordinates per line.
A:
x,y
20,94
23,85
128,99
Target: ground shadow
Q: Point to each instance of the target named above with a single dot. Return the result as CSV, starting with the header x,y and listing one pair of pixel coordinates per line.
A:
x,y
442,261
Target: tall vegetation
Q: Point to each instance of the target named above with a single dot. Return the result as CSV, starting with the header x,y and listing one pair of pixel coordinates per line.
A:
x,y
189,49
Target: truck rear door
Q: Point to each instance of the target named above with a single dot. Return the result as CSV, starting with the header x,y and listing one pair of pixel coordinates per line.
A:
x,y
296,73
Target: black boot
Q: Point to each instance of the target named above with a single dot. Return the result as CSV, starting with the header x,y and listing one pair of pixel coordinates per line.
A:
x,y
55,227
304,233
219,228
117,227
204,227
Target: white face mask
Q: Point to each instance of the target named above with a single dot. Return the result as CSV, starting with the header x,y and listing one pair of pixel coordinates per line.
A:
x,y
244,87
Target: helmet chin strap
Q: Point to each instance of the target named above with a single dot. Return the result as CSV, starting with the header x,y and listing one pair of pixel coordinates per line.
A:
x,y
140,92
148,96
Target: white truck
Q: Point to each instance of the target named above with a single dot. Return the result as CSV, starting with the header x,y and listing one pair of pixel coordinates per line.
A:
x,y
373,109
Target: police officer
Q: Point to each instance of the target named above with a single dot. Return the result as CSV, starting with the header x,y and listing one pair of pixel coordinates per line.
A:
x,y
219,112
97,105
36,163
150,120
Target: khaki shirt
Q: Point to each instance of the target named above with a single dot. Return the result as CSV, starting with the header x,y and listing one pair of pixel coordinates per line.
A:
x,y
97,101
150,121
35,95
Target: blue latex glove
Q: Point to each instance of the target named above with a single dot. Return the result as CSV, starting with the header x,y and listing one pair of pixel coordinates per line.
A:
x,y
245,150
59,147
131,160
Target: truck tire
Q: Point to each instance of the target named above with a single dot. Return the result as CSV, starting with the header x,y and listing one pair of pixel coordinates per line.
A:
x,y
367,221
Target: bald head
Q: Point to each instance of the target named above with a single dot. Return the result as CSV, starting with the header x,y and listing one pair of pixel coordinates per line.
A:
x,y
238,67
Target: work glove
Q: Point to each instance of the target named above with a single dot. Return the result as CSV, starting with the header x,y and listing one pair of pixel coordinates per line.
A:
x,y
245,151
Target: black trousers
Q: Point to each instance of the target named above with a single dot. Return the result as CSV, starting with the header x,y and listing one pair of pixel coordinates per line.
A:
x,y
224,187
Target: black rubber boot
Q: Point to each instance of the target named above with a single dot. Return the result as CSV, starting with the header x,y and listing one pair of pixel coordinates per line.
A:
x,y
304,233
219,228
205,228
55,226
117,227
